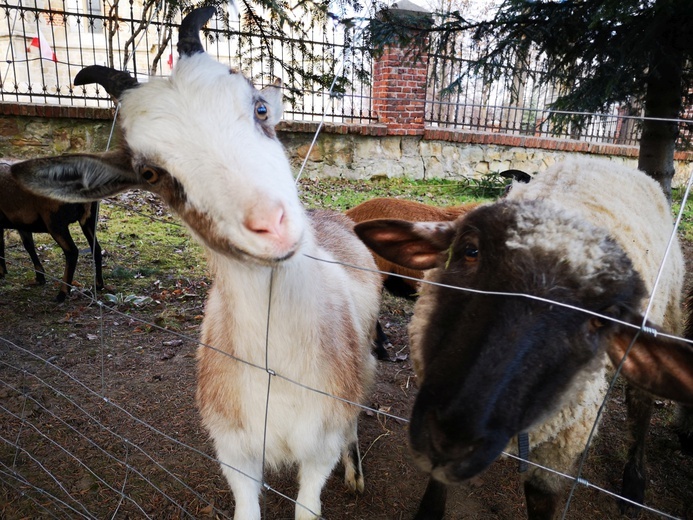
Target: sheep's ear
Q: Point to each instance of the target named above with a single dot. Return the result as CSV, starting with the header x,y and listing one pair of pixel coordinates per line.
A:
x,y
416,245
77,178
272,94
659,365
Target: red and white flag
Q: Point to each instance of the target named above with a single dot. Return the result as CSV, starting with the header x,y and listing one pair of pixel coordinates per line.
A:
x,y
42,45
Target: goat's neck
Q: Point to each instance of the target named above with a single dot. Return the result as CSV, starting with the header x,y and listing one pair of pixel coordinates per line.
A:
x,y
245,285
240,311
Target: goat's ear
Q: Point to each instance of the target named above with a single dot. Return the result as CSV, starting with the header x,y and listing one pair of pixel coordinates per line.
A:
x,y
272,94
77,178
659,365
416,245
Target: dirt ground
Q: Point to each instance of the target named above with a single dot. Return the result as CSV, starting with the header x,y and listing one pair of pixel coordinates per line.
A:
x,y
107,394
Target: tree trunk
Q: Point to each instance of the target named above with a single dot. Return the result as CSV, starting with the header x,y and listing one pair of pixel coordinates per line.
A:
x,y
664,99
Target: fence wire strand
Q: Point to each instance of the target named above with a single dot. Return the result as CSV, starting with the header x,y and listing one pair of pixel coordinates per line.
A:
x,y
576,480
76,507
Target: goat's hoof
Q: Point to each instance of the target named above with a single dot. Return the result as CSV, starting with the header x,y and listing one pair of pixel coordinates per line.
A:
x,y
356,484
353,480
60,298
40,280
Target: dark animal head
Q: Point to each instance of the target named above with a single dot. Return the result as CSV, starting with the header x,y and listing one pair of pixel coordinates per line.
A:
x,y
493,365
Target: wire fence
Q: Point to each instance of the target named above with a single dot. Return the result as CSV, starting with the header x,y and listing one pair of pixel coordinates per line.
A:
x,y
70,448
43,44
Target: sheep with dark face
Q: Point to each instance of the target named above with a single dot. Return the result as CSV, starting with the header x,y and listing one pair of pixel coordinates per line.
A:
x,y
204,140
585,234
29,213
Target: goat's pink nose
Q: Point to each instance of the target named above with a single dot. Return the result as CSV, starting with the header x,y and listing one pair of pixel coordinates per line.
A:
x,y
267,221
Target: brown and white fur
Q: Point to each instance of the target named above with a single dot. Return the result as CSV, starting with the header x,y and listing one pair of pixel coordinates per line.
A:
x,y
204,140
585,234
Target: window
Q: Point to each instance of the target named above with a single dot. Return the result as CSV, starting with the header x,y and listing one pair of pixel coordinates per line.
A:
x,y
94,12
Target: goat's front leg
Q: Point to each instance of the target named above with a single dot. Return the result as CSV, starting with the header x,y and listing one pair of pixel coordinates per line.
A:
x,y
61,234
351,460
432,505
313,474
28,243
89,230
244,476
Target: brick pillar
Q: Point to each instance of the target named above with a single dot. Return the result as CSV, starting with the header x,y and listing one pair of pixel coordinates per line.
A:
x,y
399,76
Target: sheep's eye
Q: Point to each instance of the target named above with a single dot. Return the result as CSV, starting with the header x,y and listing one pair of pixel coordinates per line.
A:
x,y
596,323
150,174
261,111
471,254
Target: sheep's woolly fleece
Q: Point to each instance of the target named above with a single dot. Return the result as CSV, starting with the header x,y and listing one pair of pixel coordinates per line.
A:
x,y
578,197
639,219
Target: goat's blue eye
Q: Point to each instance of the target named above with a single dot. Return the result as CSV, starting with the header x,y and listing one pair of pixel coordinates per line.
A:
x,y
261,110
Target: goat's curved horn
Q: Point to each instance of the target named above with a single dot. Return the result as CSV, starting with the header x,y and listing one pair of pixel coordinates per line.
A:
x,y
189,34
114,81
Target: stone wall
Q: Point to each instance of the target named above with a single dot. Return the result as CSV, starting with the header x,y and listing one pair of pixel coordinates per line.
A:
x,y
356,153
36,130
398,145
343,151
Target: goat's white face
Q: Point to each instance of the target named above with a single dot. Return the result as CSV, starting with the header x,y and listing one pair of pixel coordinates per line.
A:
x,y
213,133
204,140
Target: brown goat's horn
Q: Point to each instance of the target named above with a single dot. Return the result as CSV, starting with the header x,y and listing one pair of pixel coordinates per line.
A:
x,y
114,81
189,34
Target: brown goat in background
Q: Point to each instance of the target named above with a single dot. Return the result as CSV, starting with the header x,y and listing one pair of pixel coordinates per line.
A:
x,y
389,208
399,209
29,213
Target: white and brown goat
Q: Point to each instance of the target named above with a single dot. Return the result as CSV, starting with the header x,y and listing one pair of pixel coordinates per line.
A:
x,y
493,363
29,213
204,140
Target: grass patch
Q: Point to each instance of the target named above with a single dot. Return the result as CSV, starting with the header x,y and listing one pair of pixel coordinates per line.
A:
x,y
686,227
343,194
144,241
125,273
